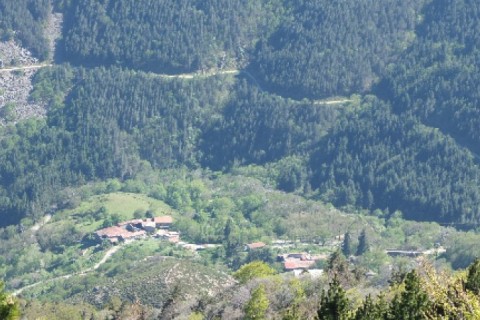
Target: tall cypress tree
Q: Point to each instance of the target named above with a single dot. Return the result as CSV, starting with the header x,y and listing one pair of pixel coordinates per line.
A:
x,y
347,245
363,243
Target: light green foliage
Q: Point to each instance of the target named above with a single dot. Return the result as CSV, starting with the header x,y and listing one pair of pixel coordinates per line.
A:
x,y
9,309
256,308
374,260
462,249
196,316
253,270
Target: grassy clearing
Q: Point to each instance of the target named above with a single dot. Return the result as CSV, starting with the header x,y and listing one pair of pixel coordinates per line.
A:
x,y
119,203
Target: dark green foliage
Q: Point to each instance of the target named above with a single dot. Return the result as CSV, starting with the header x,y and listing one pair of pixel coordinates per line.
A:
x,y
473,277
438,79
411,304
372,310
167,36
110,120
338,266
257,127
293,174
347,245
363,243
327,48
334,303
23,20
378,159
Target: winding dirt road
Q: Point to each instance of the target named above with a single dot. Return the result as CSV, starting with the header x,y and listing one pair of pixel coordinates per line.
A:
x,y
108,254
33,66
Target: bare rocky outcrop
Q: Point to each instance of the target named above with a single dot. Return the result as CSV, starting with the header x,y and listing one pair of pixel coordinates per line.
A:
x,y
16,85
54,31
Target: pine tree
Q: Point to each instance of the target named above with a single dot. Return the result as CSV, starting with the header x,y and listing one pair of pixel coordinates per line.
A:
x,y
347,245
411,304
473,277
334,303
372,310
338,267
363,243
257,306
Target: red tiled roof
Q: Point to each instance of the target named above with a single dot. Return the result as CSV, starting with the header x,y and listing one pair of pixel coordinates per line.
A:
x,y
256,245
297,264
116,231
163,219
110,232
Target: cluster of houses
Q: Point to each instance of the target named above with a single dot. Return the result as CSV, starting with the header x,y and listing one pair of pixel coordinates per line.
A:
x,y
294,262
158,227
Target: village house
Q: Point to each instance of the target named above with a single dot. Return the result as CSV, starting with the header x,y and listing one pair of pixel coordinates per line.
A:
x,y
295,264
163,222
138,228
116,234
298,261
254,245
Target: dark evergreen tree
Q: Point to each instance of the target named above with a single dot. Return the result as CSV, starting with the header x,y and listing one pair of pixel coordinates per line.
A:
x,y
363,243
347,245
472,282
412,303
334,304
372,310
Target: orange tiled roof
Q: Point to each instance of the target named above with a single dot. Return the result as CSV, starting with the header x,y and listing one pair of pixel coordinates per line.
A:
x,y
163,219
297,264
256,245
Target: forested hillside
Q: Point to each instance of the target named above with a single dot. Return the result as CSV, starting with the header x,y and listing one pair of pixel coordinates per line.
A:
x,y
384,157
337,140
166,36
23,20
109,117
437,79
327,48
103,123
377,159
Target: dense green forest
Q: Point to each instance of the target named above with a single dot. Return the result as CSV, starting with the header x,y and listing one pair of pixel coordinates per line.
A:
x,y
166,36
111,120
256,127
437,80
377,159
327,48
108,122
394,161
23,20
